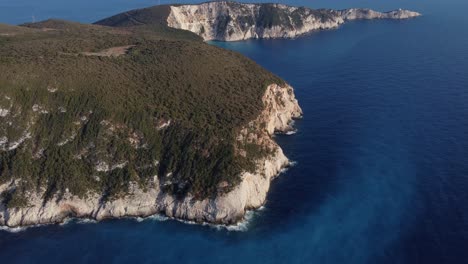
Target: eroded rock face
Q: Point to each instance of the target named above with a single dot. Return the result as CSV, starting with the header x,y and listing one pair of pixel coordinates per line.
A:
x,y
230,21
281,108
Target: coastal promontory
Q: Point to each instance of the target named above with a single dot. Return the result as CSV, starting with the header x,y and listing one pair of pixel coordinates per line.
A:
x,y
100,122
233,21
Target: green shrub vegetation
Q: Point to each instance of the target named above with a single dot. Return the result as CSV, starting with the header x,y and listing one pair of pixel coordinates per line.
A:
x,y
71,111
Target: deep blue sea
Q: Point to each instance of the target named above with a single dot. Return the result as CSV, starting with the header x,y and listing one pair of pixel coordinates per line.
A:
x,y
382,152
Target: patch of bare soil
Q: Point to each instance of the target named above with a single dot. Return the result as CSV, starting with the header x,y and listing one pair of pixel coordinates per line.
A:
x,y
111,52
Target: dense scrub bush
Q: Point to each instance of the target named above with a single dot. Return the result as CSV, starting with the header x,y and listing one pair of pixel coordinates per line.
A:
x,y
67,102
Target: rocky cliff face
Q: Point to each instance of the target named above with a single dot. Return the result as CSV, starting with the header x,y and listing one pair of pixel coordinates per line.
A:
x,y
230,21
281,108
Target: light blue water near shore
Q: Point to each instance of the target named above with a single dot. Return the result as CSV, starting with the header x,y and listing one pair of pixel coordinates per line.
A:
x,y
382,155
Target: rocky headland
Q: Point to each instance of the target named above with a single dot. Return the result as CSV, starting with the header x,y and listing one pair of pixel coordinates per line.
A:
x,y
233,21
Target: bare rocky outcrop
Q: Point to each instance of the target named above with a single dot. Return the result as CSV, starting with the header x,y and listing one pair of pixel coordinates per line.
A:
x,y
280,108
231,21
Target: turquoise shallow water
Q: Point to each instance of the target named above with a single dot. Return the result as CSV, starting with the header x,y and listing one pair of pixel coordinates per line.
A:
x,y
381,174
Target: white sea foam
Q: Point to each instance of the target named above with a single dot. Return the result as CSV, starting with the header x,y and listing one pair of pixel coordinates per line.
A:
x,y
71,220
285,169
63,223
86,221
241,226
66,221
292,163
13,229
19,228
156,217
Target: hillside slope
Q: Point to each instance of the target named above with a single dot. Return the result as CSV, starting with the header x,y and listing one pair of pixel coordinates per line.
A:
x,y
105,122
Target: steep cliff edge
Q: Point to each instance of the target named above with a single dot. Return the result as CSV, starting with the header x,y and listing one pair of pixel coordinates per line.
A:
x,y
280,108
232,21
227,21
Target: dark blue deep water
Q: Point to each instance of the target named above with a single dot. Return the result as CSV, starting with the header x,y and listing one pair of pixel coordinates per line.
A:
x,y
382,153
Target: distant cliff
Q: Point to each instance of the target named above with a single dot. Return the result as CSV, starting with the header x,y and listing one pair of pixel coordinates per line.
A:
x,y
232,21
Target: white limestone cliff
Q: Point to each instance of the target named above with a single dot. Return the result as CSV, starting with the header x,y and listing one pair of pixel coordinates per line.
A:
x,y
231,21
281,108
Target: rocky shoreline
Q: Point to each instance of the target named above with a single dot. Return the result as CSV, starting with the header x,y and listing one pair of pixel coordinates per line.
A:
x,y
281,108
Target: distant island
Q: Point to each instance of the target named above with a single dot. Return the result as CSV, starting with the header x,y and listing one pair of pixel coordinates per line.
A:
x,y
233,21
135,116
